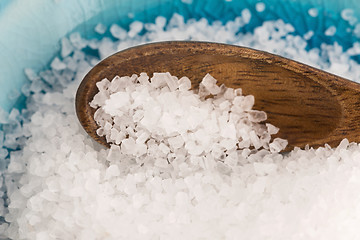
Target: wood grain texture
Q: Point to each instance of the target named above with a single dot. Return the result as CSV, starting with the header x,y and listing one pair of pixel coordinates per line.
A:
x,y
309,106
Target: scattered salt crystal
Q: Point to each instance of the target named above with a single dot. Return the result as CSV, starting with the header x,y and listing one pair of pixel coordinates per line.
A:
x,y
278,145
118,32
135,28
228,143
238,92
30,74
66,47
143,79
357,30
128,146
255,140
116,102
330,31
4,116
103,84
159,80
77,41
165,149
229,94
171,82
57,64
193,148
246,15
348,15
160,22
313,12
247,102
260,7
3,153
271,128
309,35
209,82
143,137
118,83
106,48
100,28
176,142
343,144
257,116
228,130
161,163
112,171
184,84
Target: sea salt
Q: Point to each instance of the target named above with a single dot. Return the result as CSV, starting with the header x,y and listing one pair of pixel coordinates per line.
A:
x,y
100,28
174,130
118,32
212,182
66,47
260,7
57,64
330,31
313,12
348,15
135,28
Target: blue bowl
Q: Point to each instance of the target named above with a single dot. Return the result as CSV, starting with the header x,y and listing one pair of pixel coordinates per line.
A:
x,y
31,30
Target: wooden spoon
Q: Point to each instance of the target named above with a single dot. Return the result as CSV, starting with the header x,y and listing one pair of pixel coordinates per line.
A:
x,y
309,106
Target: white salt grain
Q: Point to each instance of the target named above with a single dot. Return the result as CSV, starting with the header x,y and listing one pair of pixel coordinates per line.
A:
x,y
116,102
118,32
77,41
257,116
271,129
171,81
246,15
277,145
176,142
100,28
313,12
247,102
57,64
112,171
309,35
209,83
135,28
260,7
66,47
330,31
184,84
348,15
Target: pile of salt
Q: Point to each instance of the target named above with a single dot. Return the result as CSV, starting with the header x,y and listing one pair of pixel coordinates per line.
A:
x,y
164,116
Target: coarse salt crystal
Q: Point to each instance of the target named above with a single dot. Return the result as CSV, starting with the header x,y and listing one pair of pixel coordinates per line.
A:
x,y
100,28
209,83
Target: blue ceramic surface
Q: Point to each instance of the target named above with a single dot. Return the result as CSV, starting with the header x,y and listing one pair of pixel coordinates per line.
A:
x,y
31,29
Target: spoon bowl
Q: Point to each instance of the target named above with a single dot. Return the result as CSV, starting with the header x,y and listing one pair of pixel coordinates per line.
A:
x,y
310,106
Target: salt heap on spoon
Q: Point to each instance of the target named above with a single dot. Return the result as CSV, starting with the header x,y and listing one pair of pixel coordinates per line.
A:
x,y
163,118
